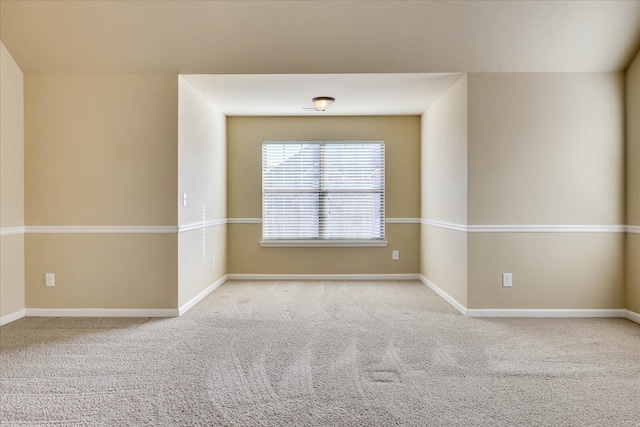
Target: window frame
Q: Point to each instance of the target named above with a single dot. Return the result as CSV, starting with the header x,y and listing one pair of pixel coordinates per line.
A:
x,y
323,242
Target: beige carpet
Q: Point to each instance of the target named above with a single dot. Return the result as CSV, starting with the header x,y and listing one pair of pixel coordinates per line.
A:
x,y
325,354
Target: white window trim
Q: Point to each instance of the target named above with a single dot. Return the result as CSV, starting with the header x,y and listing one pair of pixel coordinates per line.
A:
x,y
329,243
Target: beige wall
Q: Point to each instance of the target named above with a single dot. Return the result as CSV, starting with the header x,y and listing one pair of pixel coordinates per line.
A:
x,y
444,157
632,285
11,183
443,260
402,145
245,256
195,273
633,141
101,150
102,270
550,270
546,149
12,271
202,175
542,149
633,184
12,141
443,254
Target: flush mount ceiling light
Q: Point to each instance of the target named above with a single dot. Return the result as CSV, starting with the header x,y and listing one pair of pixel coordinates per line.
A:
x,y
323,102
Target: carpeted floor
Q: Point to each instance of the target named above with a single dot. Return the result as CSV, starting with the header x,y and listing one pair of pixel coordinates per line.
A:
x,y
320,354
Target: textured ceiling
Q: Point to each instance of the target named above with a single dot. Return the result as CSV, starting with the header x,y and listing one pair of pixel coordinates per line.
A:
x,y
289,37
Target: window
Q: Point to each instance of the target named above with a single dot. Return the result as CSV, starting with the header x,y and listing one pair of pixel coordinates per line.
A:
x,y
322,192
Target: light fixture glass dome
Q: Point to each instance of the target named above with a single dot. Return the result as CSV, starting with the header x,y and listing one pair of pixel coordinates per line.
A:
x,y
323,102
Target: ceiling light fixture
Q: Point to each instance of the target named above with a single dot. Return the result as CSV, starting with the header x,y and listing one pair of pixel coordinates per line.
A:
x,y
323,102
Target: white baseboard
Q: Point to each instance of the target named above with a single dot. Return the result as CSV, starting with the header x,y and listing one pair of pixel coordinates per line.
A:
x,y
8,318
508,312
101,312
323,276
633,316
118,312
202,295
445,296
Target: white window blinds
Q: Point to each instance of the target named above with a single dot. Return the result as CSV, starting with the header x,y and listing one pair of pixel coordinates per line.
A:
x,y
324,190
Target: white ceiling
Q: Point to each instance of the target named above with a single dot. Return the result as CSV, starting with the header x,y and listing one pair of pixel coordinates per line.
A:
x,y
356,94
316,37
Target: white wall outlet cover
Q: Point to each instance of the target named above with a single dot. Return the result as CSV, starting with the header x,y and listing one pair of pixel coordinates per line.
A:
x,y
507,280
50,279
395,255
184,199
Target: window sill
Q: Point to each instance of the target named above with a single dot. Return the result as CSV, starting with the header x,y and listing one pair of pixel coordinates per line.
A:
x,y
321,243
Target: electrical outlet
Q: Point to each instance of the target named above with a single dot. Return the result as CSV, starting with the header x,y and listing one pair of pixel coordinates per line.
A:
x,y
395,255
184,199
213,262
50,279
507,280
